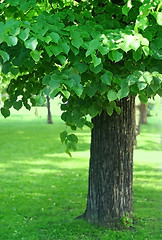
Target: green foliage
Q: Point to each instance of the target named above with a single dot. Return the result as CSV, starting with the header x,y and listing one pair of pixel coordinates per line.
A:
x,y
127,221
78,50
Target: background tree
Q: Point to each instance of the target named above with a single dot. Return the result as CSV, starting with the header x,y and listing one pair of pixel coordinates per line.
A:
x,y
143,113
98,55
49,115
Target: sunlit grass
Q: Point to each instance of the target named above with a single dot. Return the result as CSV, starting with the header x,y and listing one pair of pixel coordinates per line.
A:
x,y
42,190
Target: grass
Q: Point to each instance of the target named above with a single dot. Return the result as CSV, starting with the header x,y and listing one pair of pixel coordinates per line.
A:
x,y
42,190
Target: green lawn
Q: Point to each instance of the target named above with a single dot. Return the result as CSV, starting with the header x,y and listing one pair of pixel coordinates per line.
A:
x,y
42,190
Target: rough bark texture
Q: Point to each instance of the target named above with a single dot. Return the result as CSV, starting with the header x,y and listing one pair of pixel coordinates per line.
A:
x,y
111,166
49,116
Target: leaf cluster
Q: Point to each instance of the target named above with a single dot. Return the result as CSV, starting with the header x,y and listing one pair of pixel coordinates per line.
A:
x,y
91,53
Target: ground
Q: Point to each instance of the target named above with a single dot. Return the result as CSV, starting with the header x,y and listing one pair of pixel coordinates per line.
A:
x,y
43,190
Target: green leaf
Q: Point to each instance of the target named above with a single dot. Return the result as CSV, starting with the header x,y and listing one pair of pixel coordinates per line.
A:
x,y
27,106
77,42
90,91
17,105
96,61
62,59
159,18
126,8
112,95
46,79
54,37
65,47
14,31
40,99
103,50
96,69
47,90
6,67
89,124
5,112
24,34
147,77
63,136
143,98
68,152
71,145
76,77
144,42
93,111
78,89
7,104
94,44
11,41
135,44
72,138
35,55
14,3
155,85
117,56
54,82
74,50
117,80
56,50
110,109
14,70
66,93
137,55
81,67
132,79
69,83
80,122
142,22
159,92
4,55
107,78
89,52
142,85
117,109
54,92
47,39
146,50
49,51
33,102
123,92
31,43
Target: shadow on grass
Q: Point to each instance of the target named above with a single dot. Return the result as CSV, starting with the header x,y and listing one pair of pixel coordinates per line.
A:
x,y
145,172
47,203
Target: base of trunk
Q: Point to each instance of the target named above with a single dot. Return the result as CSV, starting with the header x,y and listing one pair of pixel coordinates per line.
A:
x,y
111,166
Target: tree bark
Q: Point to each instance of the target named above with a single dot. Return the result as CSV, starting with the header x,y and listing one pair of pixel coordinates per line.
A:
x,y
49,116
143,113
111,166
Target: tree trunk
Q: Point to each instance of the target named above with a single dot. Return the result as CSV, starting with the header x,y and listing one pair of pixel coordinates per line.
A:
x,y
143,113
49,117
111,166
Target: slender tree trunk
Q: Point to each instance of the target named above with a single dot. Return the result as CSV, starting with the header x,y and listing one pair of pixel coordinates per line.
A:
x,y
49,117
111,166
143,113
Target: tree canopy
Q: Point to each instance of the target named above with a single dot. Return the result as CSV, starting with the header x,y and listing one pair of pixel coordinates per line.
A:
x,y
92,53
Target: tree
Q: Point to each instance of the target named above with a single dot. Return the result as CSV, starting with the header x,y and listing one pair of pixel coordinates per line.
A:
x,y
143,113
98,55
49,115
